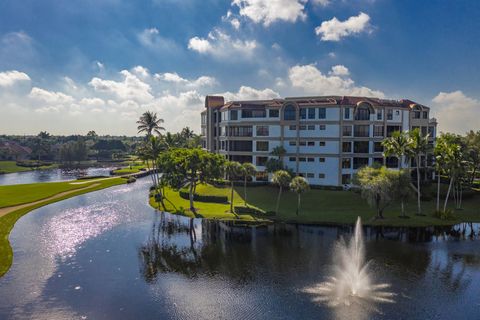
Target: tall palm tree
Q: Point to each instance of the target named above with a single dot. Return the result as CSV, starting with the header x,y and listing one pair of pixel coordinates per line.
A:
x,y
248,170
232,169
149,124
282,179
441,148
418,146
453,158
299,185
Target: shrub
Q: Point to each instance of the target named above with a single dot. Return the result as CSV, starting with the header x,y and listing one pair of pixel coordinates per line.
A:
x,y
158,197
91,177
444,215
203,198
248,210
131,179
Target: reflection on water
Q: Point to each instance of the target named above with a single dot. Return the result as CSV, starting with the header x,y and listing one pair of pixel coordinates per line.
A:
x,y
51,175
108,255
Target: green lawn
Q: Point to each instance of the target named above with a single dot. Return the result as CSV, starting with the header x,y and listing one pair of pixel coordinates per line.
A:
x,y
129,169
175,204
11,167
323,207
26,193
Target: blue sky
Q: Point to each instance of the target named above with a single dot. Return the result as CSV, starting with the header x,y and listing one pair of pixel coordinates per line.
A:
x,y
69,67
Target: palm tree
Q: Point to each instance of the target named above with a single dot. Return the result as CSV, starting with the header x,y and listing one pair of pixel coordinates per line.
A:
x,y
279,152
248,170
149,124
441,148
299,185
282,179
452,155
398,146
418,146
232,169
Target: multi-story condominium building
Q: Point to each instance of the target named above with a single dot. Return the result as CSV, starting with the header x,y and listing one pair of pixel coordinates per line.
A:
x,y
327,139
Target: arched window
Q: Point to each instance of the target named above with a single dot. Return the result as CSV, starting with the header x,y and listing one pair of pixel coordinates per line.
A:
x,y
289,113
362,113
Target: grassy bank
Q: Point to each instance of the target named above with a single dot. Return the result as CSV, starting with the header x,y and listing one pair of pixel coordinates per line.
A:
x,y
11,167
130,169
321,207
19,197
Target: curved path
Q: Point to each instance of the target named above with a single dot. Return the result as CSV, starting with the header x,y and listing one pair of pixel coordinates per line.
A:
x,y
7,210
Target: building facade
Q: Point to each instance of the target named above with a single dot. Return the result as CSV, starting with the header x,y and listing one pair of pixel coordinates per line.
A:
x,y
327,139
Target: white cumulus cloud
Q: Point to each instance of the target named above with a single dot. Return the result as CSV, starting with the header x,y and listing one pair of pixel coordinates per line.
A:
x,y
50,97
313,81
339,70
335,30
220,44
456,112
10,78
269,11
249,93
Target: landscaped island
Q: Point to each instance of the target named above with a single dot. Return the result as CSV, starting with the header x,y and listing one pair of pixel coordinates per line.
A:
x,y
318,207
17,200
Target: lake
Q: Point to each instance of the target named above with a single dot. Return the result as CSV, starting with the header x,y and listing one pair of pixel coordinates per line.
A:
x,y
51,175
109,255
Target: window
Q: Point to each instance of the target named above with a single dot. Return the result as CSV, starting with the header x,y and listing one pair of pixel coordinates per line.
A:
x,y
322,113
262,131
425,114
346,113
397,112
346,178
240,131
347,146
292,159
321,176
416,115
311,113
378,131
321,159
302,159
273,113
431,131
310,159
233,114
310,175
424,131
321,143
391,162
292,143
392,129
303,114
377,146
389,114
361,130
378,161
262,145
311,127
362,113
293,127
261,161
347,131
346,163
259,113
310,143
241,146
222,145
289,113
379,114
359,162
302,143
322,127
361,147
302,127
261,176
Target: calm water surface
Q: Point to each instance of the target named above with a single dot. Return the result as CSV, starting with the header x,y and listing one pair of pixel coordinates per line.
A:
x,y
108,255
50,175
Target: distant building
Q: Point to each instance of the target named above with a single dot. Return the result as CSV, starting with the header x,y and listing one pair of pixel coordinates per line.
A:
x,y
327,139
10,150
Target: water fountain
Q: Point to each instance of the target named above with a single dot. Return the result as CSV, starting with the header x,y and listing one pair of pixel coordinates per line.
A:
x,y
352,280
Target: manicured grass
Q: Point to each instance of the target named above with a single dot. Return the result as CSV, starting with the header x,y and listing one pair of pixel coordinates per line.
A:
x,y
8,221
11,167
175,204
129,170
327,207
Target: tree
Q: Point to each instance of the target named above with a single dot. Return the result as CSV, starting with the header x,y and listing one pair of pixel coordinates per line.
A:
x,y
418,146
279,152
282,179
92,135
149,124
472,141
453,162
378,186
441,148
189,167
232,169
248,170
299,185
398,146
401,188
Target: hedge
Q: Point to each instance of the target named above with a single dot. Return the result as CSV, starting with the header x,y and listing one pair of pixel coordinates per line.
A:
x,y
203,198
